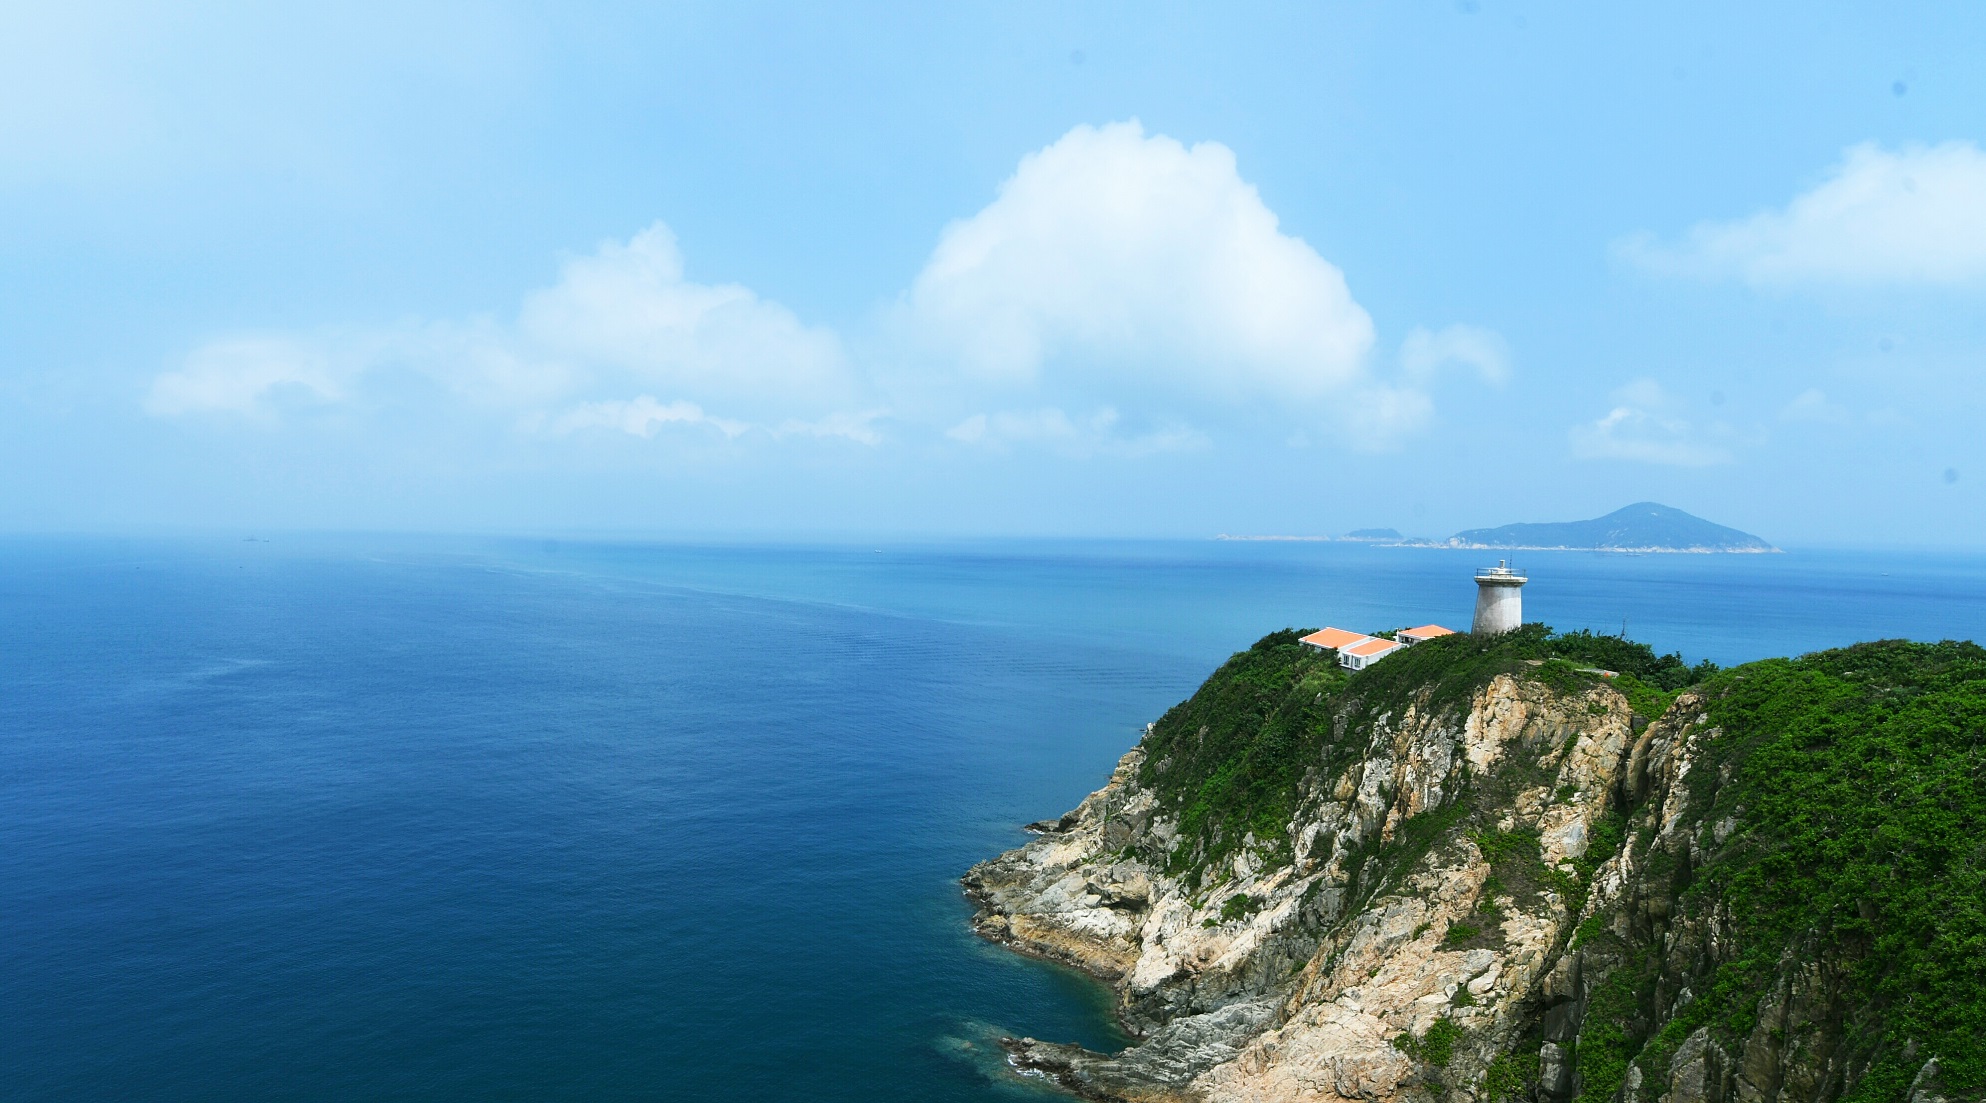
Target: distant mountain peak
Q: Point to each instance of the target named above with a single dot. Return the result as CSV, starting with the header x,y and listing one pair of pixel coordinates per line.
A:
x,y
1641,527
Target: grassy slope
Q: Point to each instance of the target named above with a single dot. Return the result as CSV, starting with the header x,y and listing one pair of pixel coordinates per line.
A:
x,y
1231,759
1859,771
1857,781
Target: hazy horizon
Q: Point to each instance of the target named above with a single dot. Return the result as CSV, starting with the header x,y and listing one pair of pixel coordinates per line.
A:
x,y
750,272
791,537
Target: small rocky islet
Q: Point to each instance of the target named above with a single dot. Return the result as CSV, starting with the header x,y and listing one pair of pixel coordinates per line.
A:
x,y
1531,867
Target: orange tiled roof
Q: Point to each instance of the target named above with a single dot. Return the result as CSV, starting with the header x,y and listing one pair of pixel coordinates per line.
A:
x,y
1371,648
1427,631
1334,637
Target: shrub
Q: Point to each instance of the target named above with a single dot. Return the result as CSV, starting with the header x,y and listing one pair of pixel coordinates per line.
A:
x,y
1459,933
1625,656
1239,905
1510,1078
1438,1044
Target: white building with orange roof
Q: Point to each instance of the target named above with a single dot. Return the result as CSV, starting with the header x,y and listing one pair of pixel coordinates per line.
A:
x,y
1361,655
1356,650
1426,632
1334,639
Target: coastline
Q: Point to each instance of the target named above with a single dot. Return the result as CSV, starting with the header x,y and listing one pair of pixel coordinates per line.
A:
x,y
1648,549
1652,549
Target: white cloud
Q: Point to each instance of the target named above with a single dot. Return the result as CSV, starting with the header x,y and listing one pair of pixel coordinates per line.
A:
x,y
247,376
622,318
1136,259
1916,215
1647,425
1098,433
628,307
481,361
1376,417
1426,351
1116,271
640,416
645,415
1814,405
859,427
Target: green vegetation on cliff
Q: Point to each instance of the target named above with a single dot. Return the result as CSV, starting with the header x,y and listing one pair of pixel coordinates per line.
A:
x,y
1231,759
1228,760
1833,837
1864,773
1852,786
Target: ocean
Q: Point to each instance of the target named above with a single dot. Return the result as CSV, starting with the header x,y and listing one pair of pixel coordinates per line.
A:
x,y
335,818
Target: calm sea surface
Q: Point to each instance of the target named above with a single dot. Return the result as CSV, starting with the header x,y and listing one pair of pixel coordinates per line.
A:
x,y
336,819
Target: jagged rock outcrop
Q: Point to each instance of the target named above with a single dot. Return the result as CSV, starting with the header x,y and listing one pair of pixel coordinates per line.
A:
x,y
1475,895
1303,997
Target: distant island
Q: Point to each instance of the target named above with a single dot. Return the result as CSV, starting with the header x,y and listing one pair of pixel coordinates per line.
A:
x,y
1641,527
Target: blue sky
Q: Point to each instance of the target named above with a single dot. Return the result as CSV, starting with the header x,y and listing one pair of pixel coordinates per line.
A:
x,y
1011,270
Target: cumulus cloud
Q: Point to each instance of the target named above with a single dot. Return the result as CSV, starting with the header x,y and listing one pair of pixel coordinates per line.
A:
x,y
623,318
1647,425
1915,215
1117,254
1099,433
858,426
1119,272
1379,416
247,376
640,416
1425,352
627,307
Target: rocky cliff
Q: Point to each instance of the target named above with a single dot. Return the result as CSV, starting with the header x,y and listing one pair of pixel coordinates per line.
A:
x,y
1476,872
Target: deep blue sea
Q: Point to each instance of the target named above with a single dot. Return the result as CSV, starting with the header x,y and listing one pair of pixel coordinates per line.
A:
x,y
462,819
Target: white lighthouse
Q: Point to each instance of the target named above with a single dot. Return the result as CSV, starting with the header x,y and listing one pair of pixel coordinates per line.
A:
x,y
1499,599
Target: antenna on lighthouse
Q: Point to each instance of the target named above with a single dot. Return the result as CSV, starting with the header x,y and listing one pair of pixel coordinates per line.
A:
x,y
1499,599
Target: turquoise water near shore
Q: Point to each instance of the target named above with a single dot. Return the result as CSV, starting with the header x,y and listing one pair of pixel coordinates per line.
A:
x,y
393,818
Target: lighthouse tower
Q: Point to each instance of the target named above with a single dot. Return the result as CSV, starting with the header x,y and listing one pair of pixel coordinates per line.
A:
x,y
1499,599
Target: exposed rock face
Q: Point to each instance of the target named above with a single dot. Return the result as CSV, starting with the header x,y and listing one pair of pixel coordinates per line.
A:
x,y
1432,924
1303,998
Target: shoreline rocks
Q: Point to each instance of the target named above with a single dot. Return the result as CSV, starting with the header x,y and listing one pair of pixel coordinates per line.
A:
x,y
1337,949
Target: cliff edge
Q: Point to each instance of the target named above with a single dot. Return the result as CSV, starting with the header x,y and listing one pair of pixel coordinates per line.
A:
x,y
1476,872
